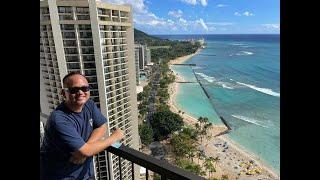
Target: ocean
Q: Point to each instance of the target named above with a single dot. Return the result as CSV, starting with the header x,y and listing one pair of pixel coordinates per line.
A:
x,y
241,74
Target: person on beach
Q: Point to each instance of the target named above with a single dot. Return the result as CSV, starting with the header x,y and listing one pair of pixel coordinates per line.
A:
x,y
74,132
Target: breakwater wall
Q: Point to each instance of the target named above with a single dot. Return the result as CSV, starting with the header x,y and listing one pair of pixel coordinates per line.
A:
x,y
210,100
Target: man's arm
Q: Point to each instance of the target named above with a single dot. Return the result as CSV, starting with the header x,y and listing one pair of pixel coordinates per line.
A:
x,y
91,148
97,133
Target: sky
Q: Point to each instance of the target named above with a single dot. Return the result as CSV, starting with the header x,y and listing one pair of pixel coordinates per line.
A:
x,y
205,16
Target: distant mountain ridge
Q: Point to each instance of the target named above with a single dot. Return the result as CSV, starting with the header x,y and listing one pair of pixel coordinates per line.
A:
x,y
143,38
165,49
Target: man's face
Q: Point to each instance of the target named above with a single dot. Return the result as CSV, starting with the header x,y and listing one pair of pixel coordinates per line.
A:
x,y
79,97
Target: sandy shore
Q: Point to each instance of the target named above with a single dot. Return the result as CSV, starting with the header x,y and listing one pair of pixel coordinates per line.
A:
x,y
234,161
181,60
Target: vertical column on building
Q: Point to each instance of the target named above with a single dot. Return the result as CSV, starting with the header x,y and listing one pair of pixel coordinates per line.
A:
x,y
133,94
54,16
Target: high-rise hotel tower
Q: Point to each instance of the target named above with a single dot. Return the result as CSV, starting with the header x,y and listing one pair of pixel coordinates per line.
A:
x,y
96,39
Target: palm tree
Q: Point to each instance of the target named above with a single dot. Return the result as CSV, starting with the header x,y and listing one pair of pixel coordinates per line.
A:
x,y
209,165
215,161
200,156
191,154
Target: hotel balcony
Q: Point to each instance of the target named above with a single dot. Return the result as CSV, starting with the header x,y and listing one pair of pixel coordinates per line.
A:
x,y
151,164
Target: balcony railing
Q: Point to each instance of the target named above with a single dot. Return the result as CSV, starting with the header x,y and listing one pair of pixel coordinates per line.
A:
x,y
164,169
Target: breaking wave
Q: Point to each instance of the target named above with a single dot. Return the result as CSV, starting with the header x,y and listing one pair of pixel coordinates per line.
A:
x,y
263,90
214,80
244,53
250,120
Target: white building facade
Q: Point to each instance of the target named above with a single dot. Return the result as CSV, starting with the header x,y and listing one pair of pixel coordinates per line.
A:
x,y
96,39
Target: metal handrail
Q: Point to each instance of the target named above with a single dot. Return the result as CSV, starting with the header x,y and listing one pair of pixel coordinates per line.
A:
x,y
166,170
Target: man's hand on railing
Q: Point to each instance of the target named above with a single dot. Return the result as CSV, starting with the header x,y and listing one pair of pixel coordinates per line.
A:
x,y
118,134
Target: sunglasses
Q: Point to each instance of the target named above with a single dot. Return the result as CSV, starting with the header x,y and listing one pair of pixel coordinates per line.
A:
x,y
74,90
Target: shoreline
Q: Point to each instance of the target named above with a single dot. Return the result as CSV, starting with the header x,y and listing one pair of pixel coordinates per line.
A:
x,y
235,154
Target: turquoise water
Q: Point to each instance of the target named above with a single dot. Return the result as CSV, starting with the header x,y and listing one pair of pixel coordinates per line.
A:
x,y
242,75
142,77
202,107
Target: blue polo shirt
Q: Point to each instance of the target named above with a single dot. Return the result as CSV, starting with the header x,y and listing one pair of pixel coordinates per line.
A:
x,y
66,132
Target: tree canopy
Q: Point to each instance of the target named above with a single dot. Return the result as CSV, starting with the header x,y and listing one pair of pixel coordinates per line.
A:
x,y
164,123
146,134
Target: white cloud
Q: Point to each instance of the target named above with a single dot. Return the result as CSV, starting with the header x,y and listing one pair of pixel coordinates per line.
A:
x,y
203,2
221,5
137,5
247,13
141,14
192,2
146,20
272,26
237,14
169,21
175,14
149,19
201,22
183,20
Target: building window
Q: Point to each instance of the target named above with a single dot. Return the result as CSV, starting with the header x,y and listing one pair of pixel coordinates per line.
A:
x,y
67,27
86,43
83,17
84,27
90,72
82,10
72,58
89,65
88,58
85,35
65,17
102,11
71,50
64,9
87,51
68,35
69,43
44,10
103,27
94,86
73,65
103,18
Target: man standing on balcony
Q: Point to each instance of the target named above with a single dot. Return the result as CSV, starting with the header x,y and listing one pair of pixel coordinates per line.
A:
x,y
74,133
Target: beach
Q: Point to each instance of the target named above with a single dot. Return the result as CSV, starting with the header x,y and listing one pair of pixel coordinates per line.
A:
x,y
235,161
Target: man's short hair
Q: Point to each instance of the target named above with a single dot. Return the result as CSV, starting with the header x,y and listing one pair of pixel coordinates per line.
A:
x,y
65,78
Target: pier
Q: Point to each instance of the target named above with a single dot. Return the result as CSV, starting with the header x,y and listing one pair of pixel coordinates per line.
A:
x,y
226,124
210,100
204,90
202,54
185,64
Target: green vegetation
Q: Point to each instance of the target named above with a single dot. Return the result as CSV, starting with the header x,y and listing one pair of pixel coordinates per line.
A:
x,y
164,123
202,127
143,38
190,166
183,145
177,49
146,134
143,98
163,48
